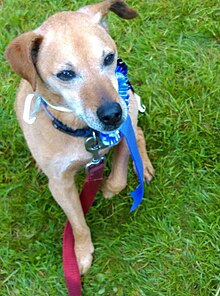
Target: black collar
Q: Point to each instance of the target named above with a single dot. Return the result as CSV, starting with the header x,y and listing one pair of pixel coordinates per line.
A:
x,y
80,132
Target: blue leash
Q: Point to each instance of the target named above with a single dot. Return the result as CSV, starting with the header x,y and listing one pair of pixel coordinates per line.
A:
x,y
128,132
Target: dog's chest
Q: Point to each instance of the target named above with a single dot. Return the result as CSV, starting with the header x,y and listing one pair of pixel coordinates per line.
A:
x,y
75,160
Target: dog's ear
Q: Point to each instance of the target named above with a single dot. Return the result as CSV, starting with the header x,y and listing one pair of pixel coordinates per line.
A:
x,y
99,10
21,54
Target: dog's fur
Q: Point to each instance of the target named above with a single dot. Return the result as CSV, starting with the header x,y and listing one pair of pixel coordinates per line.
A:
x,y
77,41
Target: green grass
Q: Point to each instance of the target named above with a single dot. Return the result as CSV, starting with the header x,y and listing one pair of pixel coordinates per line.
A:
x,y
171,244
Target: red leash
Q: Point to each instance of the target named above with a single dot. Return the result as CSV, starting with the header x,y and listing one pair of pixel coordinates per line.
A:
x,y
87,196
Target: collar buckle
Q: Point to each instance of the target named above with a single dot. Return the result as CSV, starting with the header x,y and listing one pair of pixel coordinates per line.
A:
x,y
93,145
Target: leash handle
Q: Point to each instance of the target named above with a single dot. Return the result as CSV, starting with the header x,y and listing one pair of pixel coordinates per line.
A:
x,y
71,270
87,196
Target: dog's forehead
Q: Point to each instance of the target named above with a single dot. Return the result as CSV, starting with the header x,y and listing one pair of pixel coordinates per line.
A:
x,y
74,31
70,22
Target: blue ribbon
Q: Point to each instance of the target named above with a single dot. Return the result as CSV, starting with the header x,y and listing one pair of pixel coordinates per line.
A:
x,y
121,71
128,132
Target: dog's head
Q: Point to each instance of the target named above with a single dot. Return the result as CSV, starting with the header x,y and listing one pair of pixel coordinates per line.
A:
x,y
72,55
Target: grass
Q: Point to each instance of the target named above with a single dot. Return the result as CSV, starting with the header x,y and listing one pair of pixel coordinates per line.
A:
x,y
170,244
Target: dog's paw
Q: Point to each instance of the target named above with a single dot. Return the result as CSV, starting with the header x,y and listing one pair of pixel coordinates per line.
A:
x,y
84,257
109,189
107,192
148,171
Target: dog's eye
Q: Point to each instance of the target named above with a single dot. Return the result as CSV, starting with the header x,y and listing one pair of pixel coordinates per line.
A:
x,y
66,75
109,59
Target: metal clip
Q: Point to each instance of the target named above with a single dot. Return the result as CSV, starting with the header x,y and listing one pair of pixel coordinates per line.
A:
x,y
93,145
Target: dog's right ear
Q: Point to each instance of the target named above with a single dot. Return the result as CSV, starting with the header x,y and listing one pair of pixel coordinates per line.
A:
x,y
21,54
98,11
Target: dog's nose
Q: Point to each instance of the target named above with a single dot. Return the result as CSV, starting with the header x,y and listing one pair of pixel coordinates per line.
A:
x,y
110,113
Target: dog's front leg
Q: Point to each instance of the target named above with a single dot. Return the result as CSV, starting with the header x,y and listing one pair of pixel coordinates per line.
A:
x,y
148,168
65,193
117,179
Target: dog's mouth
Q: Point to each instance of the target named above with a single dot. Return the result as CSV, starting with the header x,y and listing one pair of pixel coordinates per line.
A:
x,y
112,128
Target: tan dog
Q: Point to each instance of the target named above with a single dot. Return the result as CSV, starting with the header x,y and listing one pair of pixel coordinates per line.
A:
x,y
70,60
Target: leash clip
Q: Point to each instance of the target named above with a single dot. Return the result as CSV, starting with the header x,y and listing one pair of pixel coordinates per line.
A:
x,y
93,145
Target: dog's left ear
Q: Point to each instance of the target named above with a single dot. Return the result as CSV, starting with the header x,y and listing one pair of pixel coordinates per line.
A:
x,y
98,11
21,54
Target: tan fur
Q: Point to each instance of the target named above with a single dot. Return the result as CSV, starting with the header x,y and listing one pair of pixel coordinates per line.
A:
x,y
77,41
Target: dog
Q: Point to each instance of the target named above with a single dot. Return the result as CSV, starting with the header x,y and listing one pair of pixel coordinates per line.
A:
x,y
70,60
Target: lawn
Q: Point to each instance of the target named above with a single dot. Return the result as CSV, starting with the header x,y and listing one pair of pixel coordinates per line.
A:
x,y
170,246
